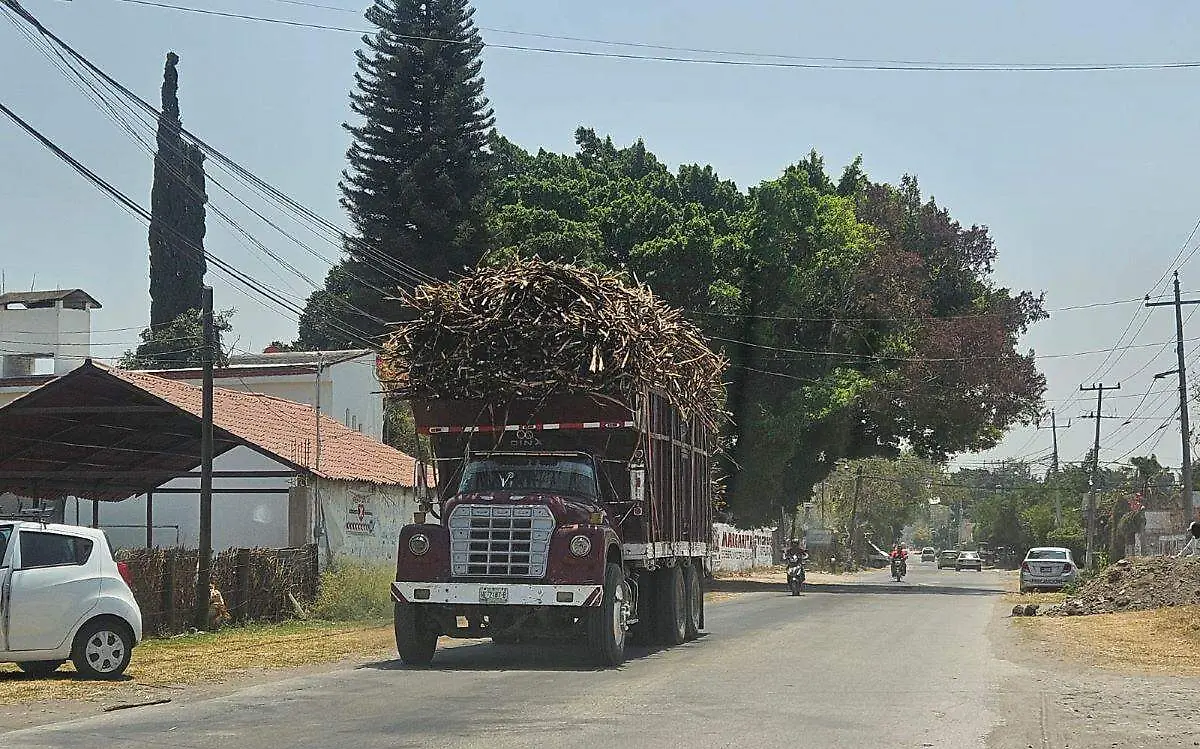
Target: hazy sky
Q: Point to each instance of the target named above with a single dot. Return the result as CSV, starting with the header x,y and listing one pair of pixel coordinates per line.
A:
x,y
1084,178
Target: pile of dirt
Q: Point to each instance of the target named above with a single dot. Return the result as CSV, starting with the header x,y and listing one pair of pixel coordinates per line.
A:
x,y
1137,584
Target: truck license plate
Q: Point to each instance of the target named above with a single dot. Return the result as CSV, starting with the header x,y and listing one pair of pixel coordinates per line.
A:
x,y
493,595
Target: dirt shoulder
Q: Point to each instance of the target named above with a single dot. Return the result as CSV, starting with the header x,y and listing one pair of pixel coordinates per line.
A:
x,y
1095,682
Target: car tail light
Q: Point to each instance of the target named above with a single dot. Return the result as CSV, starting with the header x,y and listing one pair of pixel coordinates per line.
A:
x,y
1024,566
123,568
1067,568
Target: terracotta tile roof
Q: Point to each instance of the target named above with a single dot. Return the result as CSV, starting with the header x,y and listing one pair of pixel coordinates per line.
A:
x,y
286,430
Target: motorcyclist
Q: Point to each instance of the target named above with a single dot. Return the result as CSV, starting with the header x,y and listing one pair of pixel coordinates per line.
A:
x,y
900,553
795,553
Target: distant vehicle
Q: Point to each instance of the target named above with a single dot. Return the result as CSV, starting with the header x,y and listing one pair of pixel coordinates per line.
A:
x,y
968,560
62,596
1048,567
928,554
948,558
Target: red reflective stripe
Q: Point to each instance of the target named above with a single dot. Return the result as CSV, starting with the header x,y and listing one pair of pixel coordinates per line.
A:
x,y
550,426
594,598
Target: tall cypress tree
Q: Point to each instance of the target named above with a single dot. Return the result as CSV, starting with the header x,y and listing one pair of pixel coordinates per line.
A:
x,y
177,262
177,201
417,164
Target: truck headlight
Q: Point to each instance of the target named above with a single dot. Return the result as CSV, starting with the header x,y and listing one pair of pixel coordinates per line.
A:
x,y
581,546
418,544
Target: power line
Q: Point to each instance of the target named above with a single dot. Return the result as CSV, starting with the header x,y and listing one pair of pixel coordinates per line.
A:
x,y
917,318
914,359
314,222
131,206
788,63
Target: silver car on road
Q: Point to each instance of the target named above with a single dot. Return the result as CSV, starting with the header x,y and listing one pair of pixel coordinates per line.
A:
x,y
1048,567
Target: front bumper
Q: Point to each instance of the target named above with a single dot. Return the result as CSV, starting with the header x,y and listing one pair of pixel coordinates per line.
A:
x,y
498,594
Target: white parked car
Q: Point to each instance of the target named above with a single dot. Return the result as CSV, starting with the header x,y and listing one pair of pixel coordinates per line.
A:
x,y
1048,567
62,596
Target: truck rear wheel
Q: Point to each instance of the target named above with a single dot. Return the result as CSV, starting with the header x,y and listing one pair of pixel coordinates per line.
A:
x,y
671,613
606,624
415,642
695,599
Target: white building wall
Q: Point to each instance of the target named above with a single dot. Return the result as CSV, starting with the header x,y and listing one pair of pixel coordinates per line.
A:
x,y
362,521
238,520
356,400
63,334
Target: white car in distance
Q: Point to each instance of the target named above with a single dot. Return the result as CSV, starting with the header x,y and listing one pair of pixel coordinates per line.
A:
x,y
1048,567
63,597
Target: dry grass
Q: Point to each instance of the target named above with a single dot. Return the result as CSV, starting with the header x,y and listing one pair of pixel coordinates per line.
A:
x,y
207,659
1159,640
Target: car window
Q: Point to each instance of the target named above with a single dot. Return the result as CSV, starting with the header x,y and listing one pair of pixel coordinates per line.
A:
x,y
1047,554
41,549
5,534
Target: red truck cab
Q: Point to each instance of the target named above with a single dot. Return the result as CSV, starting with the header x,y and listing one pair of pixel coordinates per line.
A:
x,y
587,518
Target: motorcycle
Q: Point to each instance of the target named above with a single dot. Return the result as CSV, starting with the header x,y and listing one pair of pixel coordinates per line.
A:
x,y
899,568
795,576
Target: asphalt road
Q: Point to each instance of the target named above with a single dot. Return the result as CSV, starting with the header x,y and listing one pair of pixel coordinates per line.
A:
x,y
864,664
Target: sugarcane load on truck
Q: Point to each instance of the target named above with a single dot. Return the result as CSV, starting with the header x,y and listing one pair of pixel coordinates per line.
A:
x,y
573,419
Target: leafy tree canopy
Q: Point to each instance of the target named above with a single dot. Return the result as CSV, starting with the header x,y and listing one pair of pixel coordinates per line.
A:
x,y
859,317
179,344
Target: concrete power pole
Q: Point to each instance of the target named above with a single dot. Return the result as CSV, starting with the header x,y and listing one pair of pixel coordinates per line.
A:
x,y
1185,433
1054,463
1091,506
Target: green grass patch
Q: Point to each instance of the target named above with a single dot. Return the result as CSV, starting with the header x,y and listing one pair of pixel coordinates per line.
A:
x,y
354,592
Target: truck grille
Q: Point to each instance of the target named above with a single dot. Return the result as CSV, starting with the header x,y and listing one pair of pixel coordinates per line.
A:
x,y
500,540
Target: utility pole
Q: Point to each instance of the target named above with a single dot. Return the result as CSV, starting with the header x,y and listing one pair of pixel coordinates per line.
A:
x,y
854,511
204,561
1099,389
1185,433
1054,463
1054,438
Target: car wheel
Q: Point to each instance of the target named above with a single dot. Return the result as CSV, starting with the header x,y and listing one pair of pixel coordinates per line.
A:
x,y
40,669
102,649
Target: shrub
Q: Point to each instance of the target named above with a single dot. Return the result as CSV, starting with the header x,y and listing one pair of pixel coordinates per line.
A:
x,y
353,591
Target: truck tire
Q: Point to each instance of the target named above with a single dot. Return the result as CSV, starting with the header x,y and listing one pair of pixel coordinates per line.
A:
x,y
606,626
695,600
415,642
670,612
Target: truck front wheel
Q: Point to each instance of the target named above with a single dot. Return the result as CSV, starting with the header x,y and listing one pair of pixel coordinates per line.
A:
x,y
671,610
415,642
606,624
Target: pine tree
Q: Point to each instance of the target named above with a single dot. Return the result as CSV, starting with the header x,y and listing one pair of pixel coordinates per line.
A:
x,y
177,208
417,164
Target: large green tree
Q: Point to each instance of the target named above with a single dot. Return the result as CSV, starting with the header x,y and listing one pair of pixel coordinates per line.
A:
x,y
177,201
417,166
858,317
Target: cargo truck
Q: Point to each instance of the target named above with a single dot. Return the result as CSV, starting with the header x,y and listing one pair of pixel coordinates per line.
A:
x,y
581,517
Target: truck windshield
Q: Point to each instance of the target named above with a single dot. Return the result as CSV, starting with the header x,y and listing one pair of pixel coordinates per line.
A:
x,y
531,473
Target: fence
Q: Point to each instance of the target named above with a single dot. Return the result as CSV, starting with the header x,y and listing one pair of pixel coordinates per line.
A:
x,y
257,584
736,549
